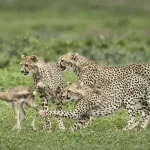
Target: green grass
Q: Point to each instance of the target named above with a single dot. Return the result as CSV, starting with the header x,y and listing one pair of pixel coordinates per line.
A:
x,y
105,133
75,19
110,33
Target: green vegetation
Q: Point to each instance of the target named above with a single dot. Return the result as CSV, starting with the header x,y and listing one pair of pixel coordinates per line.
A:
x,y
109,32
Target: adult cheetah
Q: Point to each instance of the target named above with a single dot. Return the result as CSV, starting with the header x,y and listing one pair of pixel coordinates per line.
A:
x,y
132,93
95,75
48,79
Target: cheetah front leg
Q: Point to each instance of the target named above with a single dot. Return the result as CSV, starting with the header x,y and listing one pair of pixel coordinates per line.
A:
x,y
59,119
44,101
82,122
74,114
47,123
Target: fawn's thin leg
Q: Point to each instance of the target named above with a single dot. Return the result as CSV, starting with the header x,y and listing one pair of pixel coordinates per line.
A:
x,y
17,126
15,110
33,121
31,104
22,111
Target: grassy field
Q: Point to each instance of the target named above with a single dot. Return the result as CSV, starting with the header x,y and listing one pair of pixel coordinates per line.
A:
x,y
110,33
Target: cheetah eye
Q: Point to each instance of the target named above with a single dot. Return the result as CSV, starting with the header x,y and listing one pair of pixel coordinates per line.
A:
x,y
26,65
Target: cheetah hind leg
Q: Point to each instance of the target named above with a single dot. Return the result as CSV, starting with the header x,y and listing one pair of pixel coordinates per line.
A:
x,y
82,123
131,122
145,116
89,122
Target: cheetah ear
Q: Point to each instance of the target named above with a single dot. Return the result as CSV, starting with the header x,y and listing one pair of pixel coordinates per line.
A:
x,y
22,56
80,85
75,56
34,58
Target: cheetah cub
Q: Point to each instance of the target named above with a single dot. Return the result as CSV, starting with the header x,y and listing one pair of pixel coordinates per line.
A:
x,y
16,97
131,93
48,81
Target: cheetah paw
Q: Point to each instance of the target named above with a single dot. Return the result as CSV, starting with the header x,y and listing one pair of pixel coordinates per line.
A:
x,y
41,85
42,113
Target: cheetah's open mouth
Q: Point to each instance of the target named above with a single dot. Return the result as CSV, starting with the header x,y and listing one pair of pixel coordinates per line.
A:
x,y
67,97
62,67
26,73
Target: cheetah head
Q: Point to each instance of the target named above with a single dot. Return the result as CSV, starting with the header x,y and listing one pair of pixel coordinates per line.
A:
x,y
28,64
72,91
70,60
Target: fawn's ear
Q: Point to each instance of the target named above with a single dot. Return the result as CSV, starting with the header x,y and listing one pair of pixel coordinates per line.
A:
x,y
1,89
22,56
34,58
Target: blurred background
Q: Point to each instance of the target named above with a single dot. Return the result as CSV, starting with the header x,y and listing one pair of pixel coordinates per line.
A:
x,y
110,32
115,32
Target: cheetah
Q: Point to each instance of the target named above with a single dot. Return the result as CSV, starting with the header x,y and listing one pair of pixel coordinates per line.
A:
x,y
100,76
48,79
95,75
132,93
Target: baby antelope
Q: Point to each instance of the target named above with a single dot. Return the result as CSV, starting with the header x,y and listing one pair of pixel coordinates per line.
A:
x,y
16,97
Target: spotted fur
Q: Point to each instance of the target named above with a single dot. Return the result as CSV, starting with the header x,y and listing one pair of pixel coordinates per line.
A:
x,y
132,93
47,80
95,75
99,76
